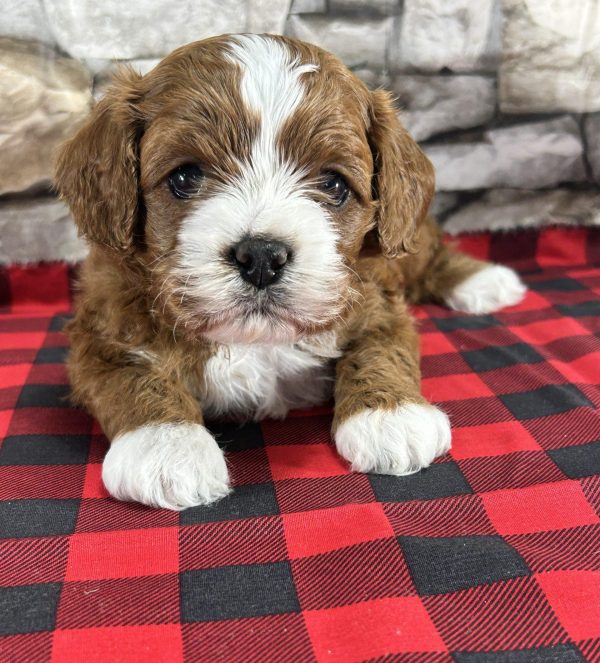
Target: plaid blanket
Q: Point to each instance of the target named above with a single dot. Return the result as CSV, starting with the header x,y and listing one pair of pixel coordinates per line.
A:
x,y
490,555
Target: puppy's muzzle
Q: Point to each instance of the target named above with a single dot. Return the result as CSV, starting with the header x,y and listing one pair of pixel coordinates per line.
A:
x,y
260,261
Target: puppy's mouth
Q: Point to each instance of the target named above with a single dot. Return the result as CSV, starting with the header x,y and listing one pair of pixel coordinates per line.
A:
x,y
265,318
262,318
228,310
270,302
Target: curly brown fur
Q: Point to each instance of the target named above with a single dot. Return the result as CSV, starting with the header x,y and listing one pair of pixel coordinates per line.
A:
x,y
147,337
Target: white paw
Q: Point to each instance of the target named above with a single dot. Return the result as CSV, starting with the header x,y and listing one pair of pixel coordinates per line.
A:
x,y
173,466
399,441
488,290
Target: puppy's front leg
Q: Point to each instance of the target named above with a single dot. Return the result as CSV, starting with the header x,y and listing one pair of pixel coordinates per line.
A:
x,y
161,454
382,422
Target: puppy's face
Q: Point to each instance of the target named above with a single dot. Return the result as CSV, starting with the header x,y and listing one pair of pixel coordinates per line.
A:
x,y
244,173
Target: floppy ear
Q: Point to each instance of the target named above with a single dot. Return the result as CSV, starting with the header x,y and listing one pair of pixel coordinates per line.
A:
x,y
97,169
404,178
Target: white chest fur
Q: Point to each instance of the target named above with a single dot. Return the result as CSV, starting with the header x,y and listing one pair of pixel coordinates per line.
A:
x,y
267,380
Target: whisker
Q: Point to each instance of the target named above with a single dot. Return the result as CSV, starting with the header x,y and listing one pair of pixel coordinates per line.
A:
x,y
185,289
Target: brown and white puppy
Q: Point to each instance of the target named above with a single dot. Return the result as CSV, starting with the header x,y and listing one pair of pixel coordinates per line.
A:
x,y
258,225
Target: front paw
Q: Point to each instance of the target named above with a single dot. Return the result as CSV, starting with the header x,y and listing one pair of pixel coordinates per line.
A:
x,y
172,466
399,441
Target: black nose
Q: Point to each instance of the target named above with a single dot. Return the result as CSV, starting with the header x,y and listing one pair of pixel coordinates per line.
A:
x,y
260,261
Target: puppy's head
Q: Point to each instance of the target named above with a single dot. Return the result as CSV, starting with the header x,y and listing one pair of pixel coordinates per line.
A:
x,y
244,172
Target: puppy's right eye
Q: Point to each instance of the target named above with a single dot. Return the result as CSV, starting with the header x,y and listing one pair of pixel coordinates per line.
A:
x,y
185,181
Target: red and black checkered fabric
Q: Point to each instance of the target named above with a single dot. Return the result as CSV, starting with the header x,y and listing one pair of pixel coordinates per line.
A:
x,y
491,555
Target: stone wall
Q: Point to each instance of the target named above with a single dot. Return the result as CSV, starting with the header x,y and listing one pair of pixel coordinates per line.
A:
x,y
504,96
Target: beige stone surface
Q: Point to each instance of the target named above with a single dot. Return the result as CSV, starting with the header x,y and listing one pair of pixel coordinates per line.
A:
x,y
43,98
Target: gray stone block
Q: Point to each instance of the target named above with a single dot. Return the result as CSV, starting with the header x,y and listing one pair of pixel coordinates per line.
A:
x,y
534,155
443,201
373,79
153,28
592,140
309,7
25,19
362,6
358,42
433,104
551,56
38,229
460,35
505,209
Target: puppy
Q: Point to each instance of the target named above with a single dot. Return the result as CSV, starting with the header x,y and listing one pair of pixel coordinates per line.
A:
x,y
257,221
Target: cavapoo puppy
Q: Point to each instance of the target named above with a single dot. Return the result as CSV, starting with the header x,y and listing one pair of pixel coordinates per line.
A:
x,y
257,221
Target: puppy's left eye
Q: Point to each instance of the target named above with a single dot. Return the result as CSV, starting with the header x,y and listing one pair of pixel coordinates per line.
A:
x,y
334,185
185,181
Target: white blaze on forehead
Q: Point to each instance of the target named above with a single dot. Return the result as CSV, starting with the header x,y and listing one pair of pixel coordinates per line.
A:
x,y
271,84
272,88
